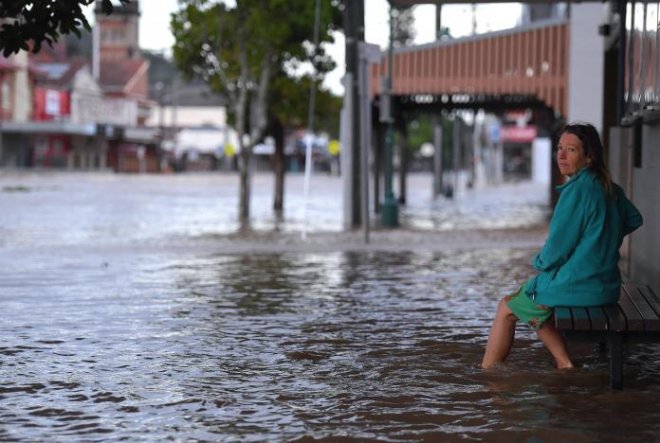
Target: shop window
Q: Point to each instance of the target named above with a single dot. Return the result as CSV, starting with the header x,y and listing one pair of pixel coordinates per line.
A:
x,y
6,95
642,61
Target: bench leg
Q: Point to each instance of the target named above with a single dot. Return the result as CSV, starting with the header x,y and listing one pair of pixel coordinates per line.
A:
x,y
615,341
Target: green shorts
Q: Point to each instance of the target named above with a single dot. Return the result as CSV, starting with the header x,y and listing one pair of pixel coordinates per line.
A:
x,y
526,309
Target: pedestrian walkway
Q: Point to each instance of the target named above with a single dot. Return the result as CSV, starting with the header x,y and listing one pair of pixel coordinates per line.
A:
x,y
515,205
200,210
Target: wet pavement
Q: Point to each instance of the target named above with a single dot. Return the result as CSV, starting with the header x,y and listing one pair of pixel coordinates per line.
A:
x,y
134,310
105,210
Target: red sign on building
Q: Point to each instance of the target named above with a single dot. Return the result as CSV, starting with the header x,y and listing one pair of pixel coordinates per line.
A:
x,y
518,134
51,104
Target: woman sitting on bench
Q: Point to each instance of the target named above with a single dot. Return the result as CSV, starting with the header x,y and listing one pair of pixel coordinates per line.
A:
x,y
578,264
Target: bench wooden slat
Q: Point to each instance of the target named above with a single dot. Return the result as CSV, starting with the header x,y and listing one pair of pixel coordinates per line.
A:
x,y
634,320
563,318
598,318
652,299
636,316
651,296
581,320
649,316
616,321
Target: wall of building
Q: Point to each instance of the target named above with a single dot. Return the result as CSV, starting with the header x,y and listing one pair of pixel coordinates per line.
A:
x,y
86,108
187,116
22,89
16,151
119,37
585,64
645,243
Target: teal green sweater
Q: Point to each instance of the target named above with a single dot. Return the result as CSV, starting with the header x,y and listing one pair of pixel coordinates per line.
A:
x,y
578,263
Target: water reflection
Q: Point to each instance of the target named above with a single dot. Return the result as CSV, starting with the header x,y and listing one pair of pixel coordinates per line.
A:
x,y
305,347
112,332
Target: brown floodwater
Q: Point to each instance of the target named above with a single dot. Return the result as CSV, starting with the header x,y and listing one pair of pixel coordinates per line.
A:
x,y
102,342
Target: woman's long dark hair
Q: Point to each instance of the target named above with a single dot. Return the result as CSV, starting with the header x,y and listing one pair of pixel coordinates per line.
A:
x,y
593,148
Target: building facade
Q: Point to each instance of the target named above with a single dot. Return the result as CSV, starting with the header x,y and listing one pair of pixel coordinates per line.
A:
x,y
635,145
81,112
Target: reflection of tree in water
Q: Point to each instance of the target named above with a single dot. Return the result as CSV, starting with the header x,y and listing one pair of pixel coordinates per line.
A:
x,y
365,267
351,272
314,284
258,284
278,283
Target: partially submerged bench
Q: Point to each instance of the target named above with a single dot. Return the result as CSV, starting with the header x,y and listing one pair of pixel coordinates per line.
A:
x,y
635,317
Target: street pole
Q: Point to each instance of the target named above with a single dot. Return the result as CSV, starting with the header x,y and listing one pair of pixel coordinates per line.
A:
x,y
437,155
365,129
310,119
456,153
354,29
389,209
2,116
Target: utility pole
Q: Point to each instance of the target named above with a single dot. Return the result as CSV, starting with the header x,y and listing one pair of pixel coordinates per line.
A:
x,y
354,31
438,21
389,209
2,116
437,155
456,153
437,119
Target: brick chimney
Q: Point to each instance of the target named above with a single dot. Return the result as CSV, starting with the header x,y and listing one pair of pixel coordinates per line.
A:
x,y
118,33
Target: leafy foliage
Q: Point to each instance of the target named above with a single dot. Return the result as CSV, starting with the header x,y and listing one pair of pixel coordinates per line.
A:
x,y
37,21
241,51
420,131
290,104
404,27
210,37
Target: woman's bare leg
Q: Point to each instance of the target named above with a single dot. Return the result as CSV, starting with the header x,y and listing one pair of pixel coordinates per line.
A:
x,y
501,336
555,343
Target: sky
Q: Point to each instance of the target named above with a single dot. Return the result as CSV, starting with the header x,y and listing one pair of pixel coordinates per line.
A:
x,y
155,18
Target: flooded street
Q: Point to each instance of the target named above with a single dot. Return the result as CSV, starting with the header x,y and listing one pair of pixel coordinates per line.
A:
x,y
62,209
133,310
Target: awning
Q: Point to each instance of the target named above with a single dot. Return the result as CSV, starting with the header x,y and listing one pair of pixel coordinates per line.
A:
x,y
135,134
7,65
146,135
51,127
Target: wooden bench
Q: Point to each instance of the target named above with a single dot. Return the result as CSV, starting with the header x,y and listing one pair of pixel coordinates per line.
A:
x,y
635,317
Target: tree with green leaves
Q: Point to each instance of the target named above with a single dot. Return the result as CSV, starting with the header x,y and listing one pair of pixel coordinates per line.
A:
x,y
404,27
27,24
240,50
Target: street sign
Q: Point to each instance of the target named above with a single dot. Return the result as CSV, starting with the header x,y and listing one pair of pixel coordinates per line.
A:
x,y
518,134
334,147
494,133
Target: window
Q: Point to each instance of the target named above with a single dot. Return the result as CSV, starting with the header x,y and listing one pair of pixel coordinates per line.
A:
x,y
642,61
6,95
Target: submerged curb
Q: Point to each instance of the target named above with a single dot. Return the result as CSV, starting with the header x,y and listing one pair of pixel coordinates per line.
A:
x,y
380,240
395,240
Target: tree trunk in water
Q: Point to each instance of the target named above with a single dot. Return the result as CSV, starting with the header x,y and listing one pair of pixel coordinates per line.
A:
x,y
278,199
244,193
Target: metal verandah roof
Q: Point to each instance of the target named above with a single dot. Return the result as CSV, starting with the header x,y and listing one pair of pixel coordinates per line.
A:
x,y
529,61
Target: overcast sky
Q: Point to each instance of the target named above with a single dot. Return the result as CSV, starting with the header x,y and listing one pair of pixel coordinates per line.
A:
x,y
155,19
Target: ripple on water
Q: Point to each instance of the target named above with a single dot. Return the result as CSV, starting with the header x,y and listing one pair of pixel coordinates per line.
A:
x,y
300,347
